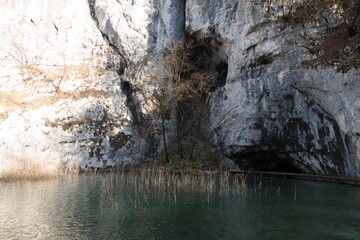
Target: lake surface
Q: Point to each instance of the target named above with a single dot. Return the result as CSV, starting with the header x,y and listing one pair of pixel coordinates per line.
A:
x,y
130,206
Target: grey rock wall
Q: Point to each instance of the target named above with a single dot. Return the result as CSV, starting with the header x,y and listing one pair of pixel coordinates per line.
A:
x,y
273,111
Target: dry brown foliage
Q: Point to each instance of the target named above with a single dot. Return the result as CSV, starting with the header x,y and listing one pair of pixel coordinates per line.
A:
x,y
180,84
32,172
183,74
186,82
336,22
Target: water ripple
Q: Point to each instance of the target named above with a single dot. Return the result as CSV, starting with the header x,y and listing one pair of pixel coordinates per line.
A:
x,y
112,207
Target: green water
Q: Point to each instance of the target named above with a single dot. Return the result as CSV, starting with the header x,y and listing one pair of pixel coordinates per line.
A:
x,y
112,207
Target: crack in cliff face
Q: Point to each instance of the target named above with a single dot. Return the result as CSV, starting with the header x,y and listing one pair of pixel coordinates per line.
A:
x,y
142,124
124,63
131,103
126,86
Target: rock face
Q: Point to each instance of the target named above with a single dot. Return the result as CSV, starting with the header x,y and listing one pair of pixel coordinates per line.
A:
x,y
68,70
275,114
62,100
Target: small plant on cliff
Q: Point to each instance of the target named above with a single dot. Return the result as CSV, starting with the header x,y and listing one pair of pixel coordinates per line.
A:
x,y
331,28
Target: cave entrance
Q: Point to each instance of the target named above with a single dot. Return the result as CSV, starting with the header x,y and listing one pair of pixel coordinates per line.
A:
x,y
267,162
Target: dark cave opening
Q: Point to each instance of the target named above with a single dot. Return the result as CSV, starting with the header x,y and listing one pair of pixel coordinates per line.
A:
x,y
222,70
209,53
266,162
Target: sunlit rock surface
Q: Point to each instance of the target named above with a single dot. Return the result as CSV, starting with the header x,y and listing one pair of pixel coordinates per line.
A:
x,y
61,97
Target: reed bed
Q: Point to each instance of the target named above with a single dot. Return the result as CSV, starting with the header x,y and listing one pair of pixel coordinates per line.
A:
x,y
144,185
33,173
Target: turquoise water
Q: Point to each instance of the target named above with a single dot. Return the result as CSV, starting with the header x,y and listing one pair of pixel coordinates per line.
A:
x,y
114,206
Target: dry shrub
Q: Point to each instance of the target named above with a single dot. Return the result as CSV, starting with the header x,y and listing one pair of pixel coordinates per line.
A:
x,y
330,28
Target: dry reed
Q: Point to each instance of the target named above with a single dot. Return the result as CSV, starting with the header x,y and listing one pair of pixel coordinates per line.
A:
x,y
32,173
150,184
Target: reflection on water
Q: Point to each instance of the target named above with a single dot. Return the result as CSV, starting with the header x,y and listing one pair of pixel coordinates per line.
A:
x,y
114,206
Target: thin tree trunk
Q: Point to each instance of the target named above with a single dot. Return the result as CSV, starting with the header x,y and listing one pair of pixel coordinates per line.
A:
x,y
167,159
197,129
178,130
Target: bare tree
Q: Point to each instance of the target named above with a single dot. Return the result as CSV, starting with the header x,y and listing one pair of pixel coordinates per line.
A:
x,y
187,83
180,84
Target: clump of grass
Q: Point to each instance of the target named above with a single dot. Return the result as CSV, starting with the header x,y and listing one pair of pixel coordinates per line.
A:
x,y
205,160
32,173
177,164
159,184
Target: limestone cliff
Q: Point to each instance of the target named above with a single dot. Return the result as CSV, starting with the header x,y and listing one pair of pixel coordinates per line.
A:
x,y
63,103
69,70
278,112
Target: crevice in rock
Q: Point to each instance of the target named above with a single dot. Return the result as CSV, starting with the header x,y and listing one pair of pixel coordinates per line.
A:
x,y
131,103
126,87
222,70
266,59
124,62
